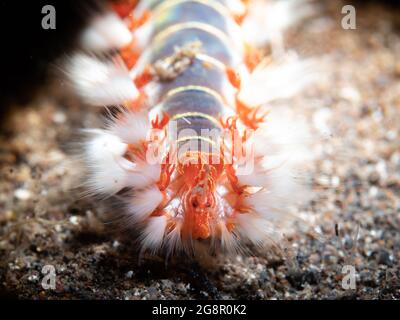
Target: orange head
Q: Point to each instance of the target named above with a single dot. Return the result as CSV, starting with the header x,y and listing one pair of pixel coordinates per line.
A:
x,y
198,200
199,207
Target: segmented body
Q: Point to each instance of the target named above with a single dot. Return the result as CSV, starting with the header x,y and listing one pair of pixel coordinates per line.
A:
x,y
200,95
187,64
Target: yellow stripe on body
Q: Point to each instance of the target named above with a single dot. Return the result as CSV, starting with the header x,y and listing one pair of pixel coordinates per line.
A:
x,y
220,8
187,138
180,89
196,114
192,25
211,60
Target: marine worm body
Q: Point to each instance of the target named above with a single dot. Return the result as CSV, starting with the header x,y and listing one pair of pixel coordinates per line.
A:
x,y
192,153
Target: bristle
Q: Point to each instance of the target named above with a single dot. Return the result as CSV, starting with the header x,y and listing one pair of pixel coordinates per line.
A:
x,y
273,18
283,138
282,189
146,174
282,149
143,203
100,83
259,177
153,234
173,240
108,171
256,229
106,176
228,239
271,206
143,34
237,7
130,127
279,80
281,144
106,32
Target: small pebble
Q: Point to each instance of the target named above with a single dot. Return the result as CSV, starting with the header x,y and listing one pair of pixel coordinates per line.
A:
x,y
22,194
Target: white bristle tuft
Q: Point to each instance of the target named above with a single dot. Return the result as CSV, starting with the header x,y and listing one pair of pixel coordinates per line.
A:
x,y
143,35
282,150
101,83
283,138
106,32
279,80
153,234
173,239
106,176
259,177
109,172
144,202
282,187
130,127
236,7
256,229
228,240
266,21
144,175
272,207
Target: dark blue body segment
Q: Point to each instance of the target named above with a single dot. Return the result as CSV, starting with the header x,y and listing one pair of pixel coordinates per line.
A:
x,y
196,98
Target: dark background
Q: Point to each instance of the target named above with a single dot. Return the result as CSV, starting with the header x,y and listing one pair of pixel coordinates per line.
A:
x,y
27,49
